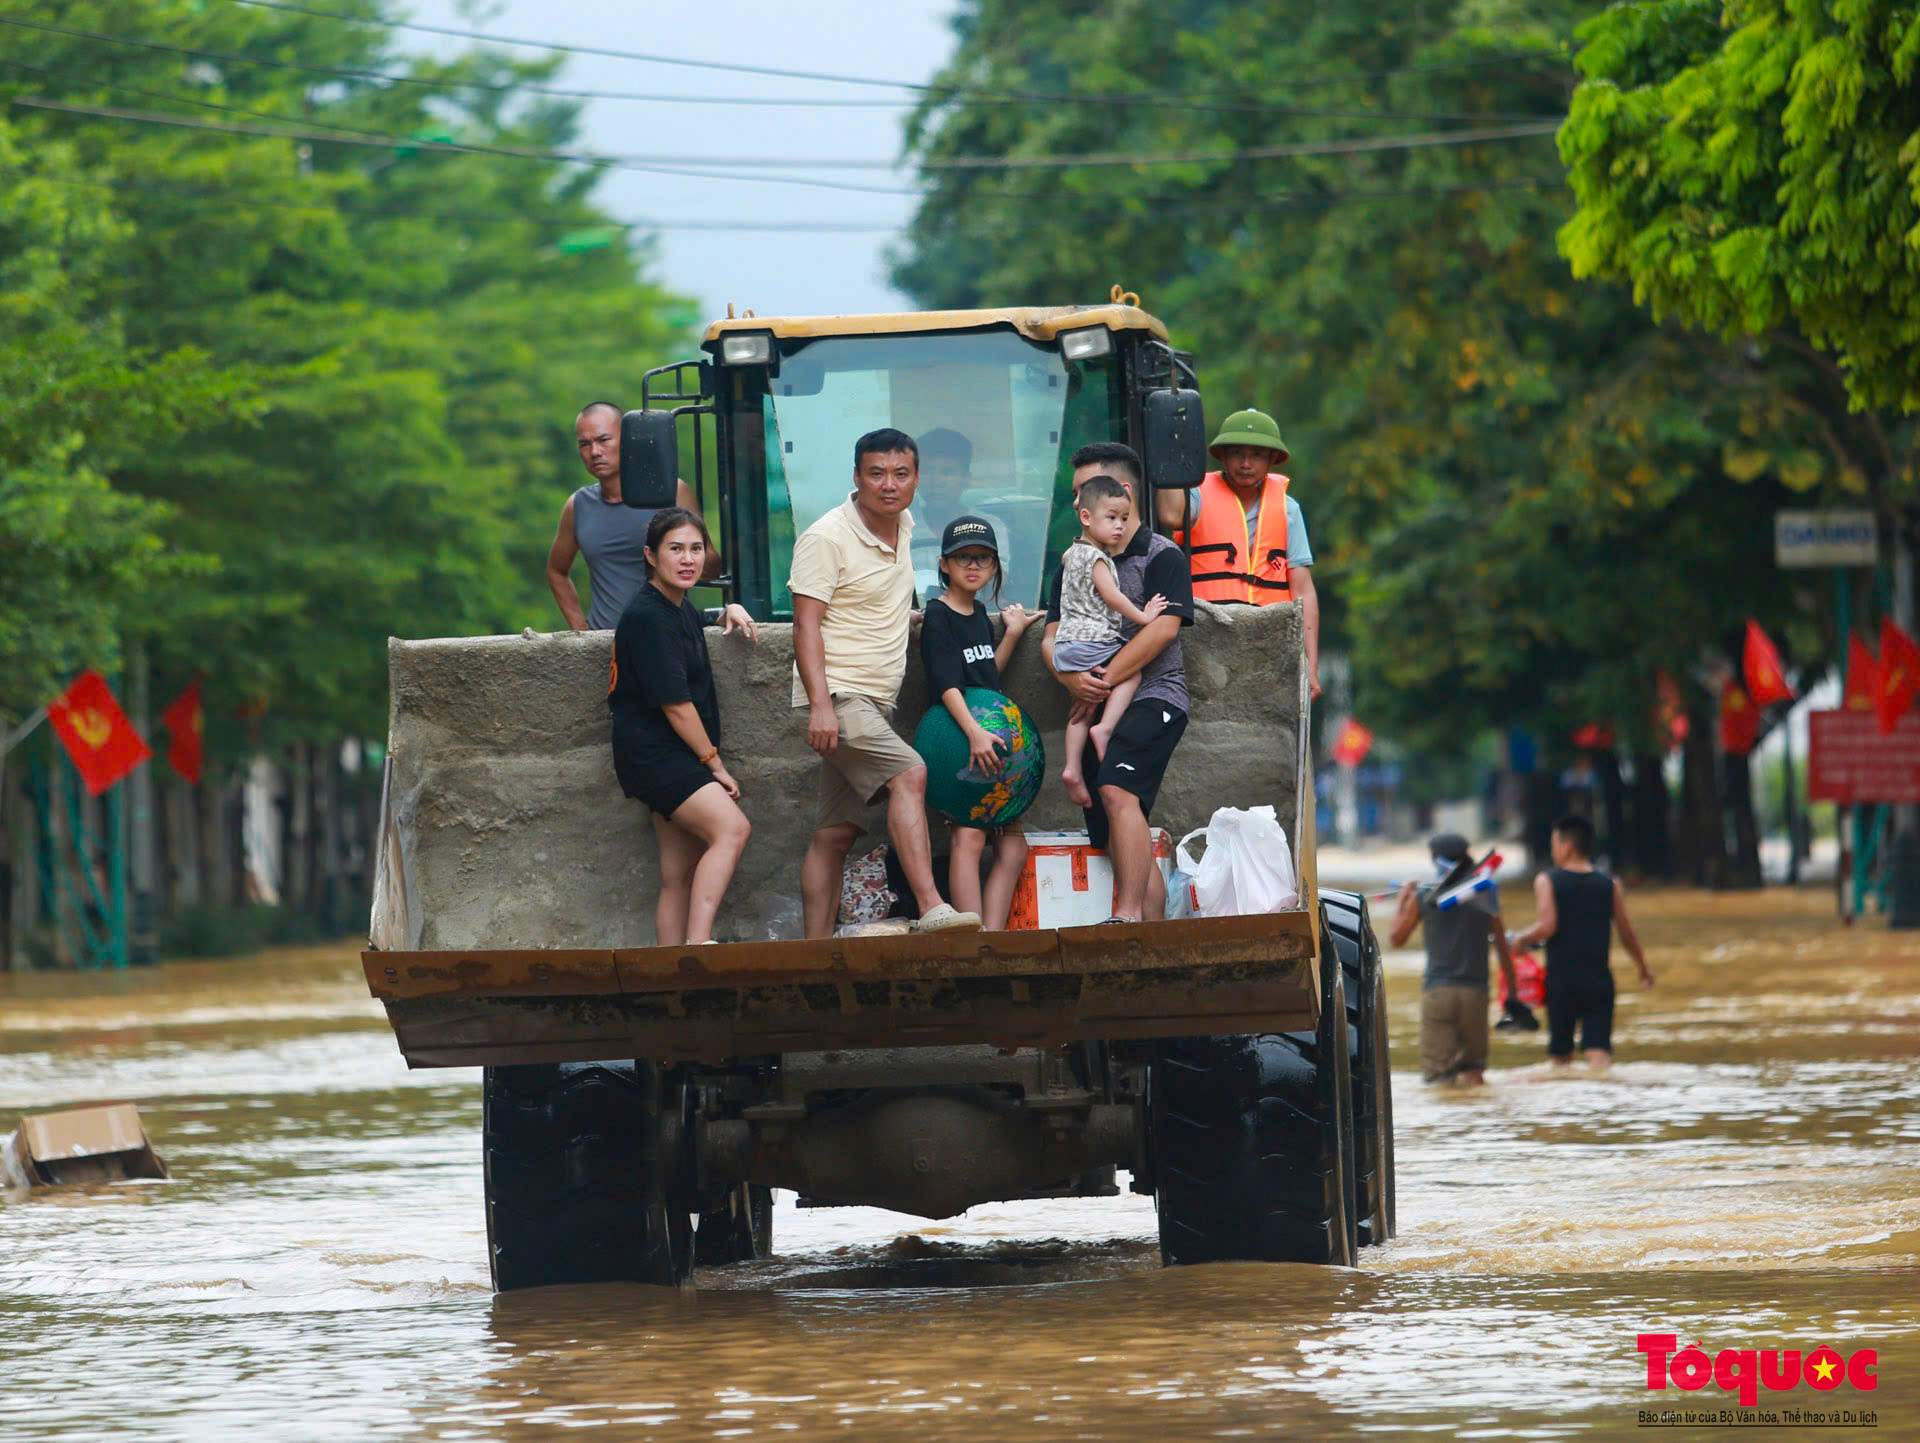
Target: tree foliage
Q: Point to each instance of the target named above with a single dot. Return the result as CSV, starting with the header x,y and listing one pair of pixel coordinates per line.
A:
x,y
1755,165
362,360
74,402
1519,489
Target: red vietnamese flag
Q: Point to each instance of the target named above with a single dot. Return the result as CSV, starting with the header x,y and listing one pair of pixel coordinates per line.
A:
x,y
97,735
1350,747
185,721
1863,677
1739,720
1765,682
1899,679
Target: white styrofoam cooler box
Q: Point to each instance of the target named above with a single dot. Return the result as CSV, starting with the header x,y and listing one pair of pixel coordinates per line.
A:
x,y
1069,883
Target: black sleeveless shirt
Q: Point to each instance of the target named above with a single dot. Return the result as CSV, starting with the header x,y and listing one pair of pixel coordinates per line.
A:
x,y
1583,902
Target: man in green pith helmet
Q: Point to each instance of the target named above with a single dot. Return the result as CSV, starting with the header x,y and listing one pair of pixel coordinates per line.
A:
x,y
1248,541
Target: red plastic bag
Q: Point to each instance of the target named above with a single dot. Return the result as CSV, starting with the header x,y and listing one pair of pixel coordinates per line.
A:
x,y
1531,974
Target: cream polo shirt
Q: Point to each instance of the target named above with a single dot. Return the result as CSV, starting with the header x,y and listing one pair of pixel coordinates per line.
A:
x,y
868,588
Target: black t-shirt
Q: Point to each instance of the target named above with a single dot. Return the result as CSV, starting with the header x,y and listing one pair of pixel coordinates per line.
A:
x,y
1169,574
659,657
957,650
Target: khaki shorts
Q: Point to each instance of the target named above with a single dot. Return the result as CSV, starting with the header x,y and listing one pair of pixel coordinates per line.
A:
x,y
1453,1032
869,755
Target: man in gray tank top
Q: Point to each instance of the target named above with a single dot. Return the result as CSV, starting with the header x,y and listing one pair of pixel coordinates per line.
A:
x,y
596,524
1453,994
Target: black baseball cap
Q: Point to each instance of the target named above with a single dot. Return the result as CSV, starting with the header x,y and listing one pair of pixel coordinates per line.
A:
x,y
1449,847
967,531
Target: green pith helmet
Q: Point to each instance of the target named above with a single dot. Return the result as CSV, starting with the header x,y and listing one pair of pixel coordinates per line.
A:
x,y
1250,428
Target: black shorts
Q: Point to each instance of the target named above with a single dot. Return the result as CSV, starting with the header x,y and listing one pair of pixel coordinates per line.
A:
x,y
1583,998
662,779
1136,760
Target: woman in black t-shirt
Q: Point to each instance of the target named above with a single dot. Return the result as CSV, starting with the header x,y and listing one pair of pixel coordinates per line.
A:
x,y
957,649
666,731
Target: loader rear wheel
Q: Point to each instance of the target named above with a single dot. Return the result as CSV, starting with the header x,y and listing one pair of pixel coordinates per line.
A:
x,y
1345,922
1250,1154
738,1228
578,1174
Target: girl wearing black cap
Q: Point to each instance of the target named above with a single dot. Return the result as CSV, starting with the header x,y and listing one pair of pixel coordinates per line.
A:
x,y
957,649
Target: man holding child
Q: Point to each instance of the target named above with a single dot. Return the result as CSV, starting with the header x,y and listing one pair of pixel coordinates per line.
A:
x,y
1124,779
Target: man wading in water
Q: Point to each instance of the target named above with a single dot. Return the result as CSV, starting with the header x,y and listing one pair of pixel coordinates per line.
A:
x,y
1579,906
1453,993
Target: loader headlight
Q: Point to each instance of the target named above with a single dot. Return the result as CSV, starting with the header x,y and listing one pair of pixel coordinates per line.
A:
x,y
747,348
1087,344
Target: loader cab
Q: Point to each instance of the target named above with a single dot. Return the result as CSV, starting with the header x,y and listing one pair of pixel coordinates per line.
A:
x,y
997,400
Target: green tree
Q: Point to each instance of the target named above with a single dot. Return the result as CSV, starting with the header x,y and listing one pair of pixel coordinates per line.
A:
x,y
82,559
1469,427
427,335
1754,168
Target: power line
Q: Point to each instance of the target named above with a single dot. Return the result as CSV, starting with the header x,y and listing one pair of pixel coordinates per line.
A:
x,y
388,77
565,93
1266,202
935,91
1352,146
348,135
242,204
344,135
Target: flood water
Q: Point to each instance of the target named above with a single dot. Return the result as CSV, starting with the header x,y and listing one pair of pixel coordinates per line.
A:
x,y
1747,1177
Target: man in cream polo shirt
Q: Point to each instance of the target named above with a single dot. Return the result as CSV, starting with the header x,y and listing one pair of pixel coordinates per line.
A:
x,y
852,586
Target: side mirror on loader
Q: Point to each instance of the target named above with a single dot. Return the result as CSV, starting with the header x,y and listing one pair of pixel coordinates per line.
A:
x,y
1175,439
649,459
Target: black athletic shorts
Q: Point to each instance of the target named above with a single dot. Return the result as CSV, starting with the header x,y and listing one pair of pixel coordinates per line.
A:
x,y
661,778
1136,760
1584,998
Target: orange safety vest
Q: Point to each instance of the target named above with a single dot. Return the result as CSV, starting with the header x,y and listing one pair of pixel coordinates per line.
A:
x,y
1226,565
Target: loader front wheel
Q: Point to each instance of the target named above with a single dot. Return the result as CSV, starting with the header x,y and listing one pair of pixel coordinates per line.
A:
x,y
578,1175
1249,1141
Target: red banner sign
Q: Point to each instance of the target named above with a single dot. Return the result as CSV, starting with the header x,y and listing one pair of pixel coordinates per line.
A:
x,y
1852,763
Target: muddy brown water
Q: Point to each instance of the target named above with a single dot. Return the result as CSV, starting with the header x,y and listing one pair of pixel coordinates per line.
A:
x,y
1748,1177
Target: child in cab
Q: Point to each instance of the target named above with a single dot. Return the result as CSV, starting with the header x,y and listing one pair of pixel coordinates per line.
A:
x,y
958,651
1092,607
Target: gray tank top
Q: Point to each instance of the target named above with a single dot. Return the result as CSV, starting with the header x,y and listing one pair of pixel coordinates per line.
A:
x,y
613,538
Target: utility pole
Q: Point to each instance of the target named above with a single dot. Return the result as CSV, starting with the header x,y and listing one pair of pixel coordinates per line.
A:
x,y
142,950
1903,856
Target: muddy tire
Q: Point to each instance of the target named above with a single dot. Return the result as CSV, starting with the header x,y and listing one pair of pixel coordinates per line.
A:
x,y
1344,921
575,1176
738,1228
1249,1154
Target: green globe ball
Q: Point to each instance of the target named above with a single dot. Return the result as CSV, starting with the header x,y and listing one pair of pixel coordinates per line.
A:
x,y
954,788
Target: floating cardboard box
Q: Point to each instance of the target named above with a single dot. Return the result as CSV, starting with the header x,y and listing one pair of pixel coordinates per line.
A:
x,y
88,1144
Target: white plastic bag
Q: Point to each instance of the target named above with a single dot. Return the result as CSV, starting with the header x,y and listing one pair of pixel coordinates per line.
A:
x,y
1248,866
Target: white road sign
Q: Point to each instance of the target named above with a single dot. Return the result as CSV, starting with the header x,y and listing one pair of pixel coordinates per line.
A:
x,y
1825,538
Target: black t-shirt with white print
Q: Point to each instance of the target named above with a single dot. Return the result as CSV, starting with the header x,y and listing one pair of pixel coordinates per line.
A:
x,y
956,650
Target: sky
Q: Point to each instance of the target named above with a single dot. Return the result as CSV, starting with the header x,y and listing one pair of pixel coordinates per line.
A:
x,y
773,272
